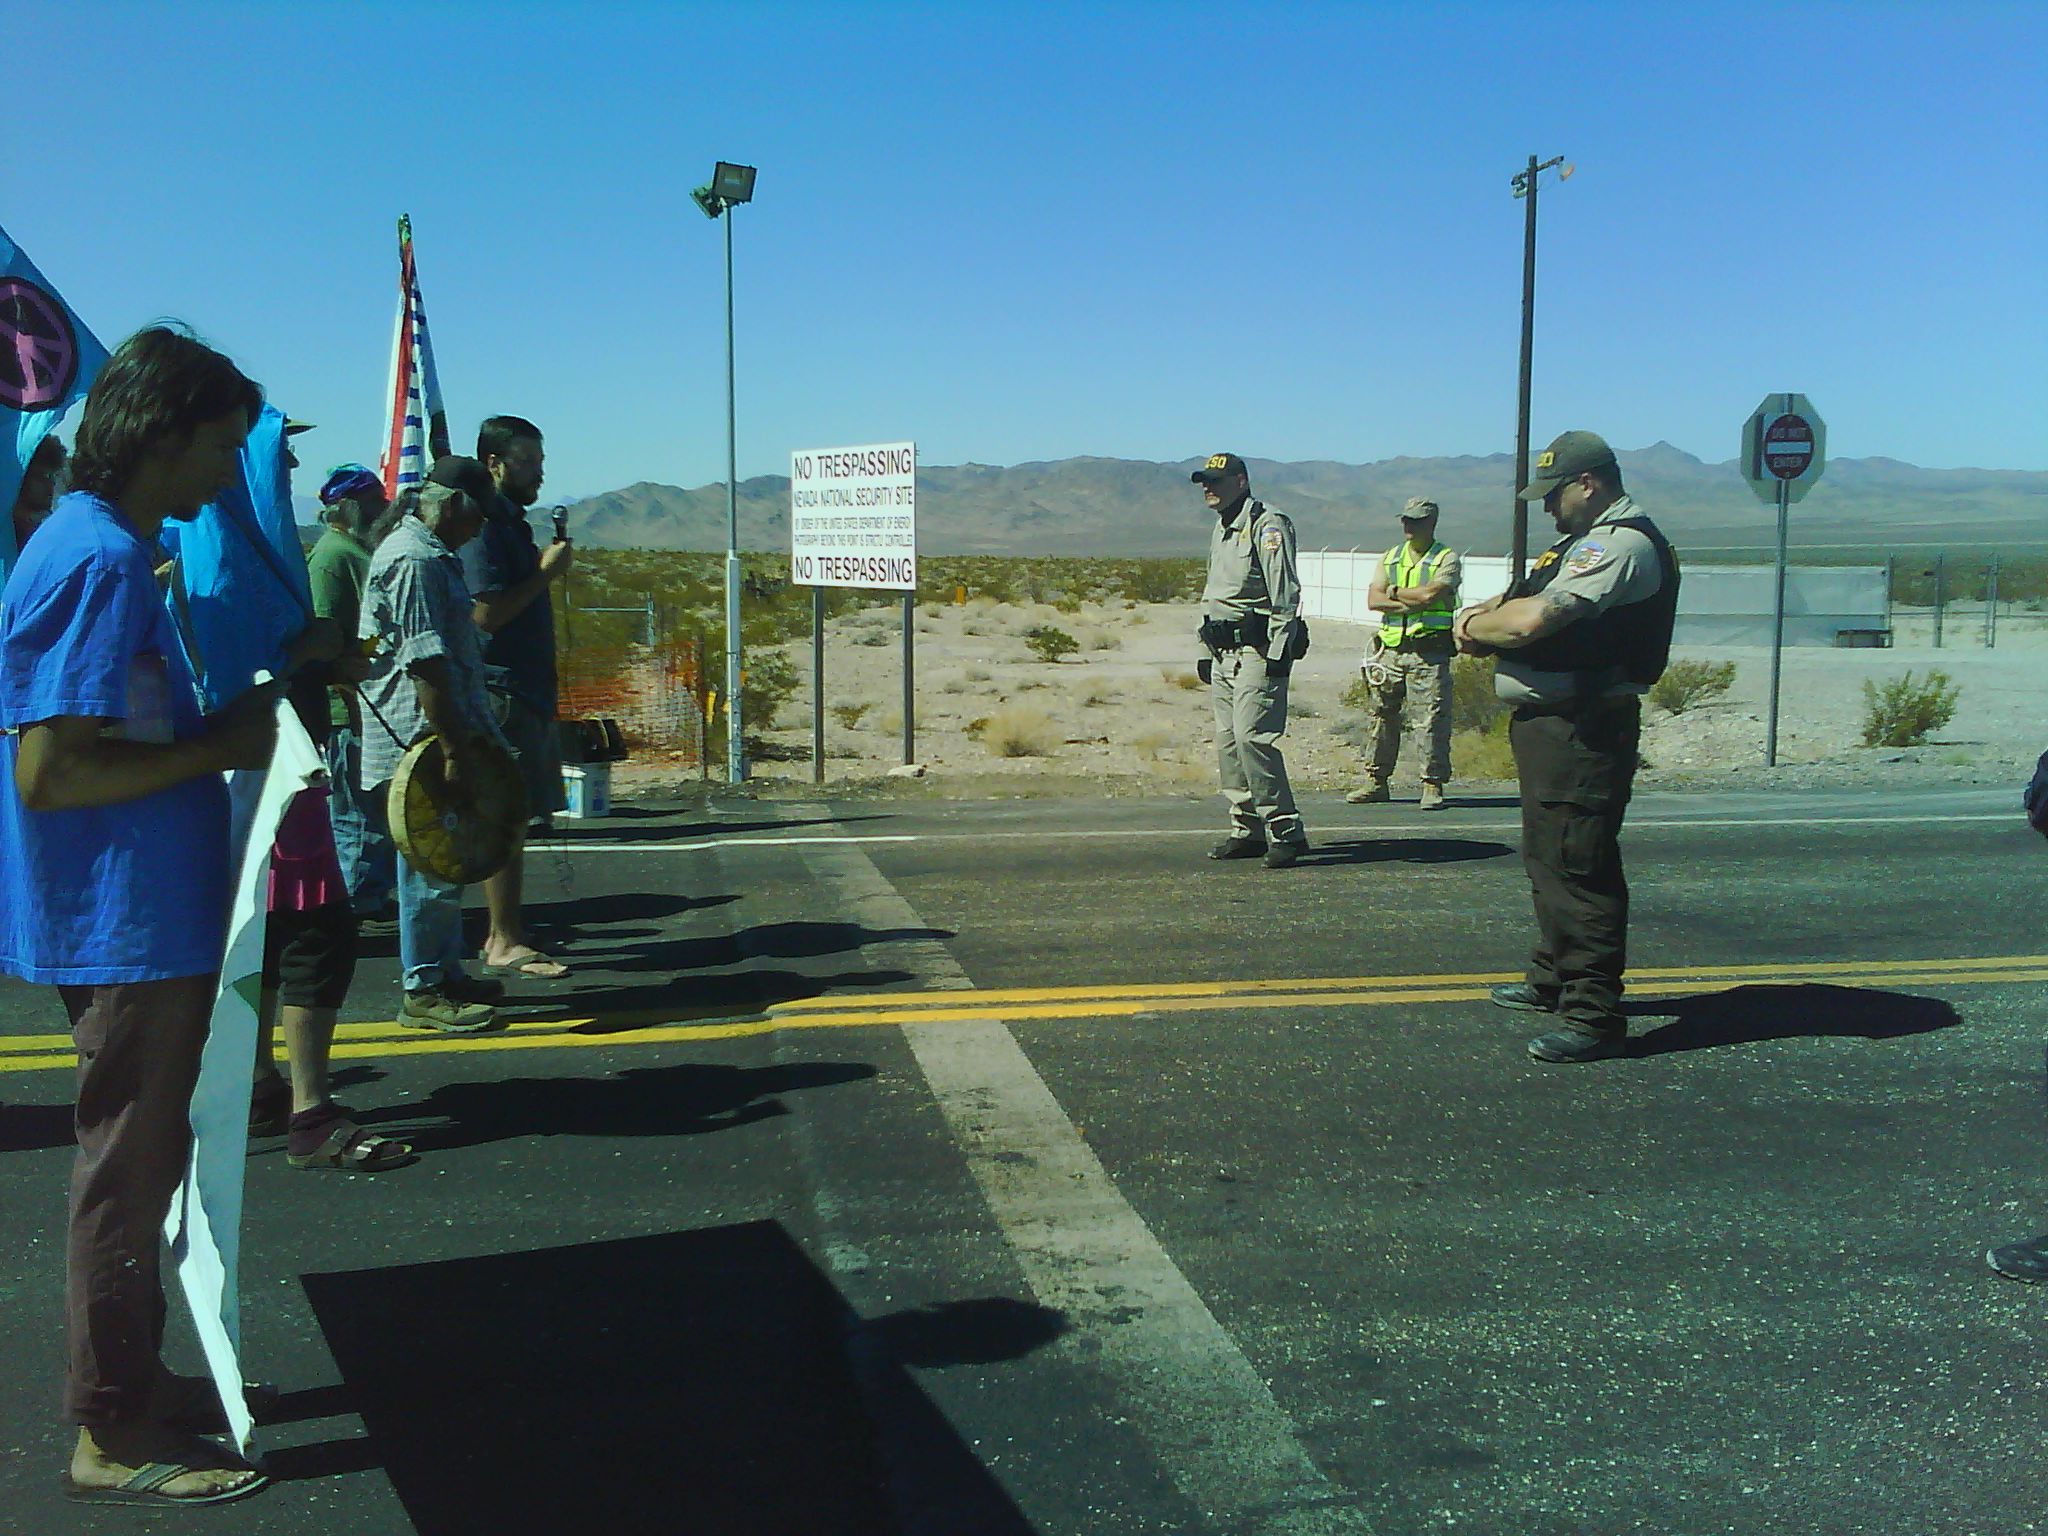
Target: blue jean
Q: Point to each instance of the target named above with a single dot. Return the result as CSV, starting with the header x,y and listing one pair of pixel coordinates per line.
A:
x,y
429,917
368,856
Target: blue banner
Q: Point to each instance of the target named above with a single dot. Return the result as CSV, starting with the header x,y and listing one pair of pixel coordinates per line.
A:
x,y
243,569
48,359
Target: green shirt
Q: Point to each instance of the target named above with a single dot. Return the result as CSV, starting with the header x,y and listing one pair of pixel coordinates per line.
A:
x,y
336,570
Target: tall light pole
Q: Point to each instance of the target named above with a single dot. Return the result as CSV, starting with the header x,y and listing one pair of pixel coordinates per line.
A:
x,y
1525,188
730,184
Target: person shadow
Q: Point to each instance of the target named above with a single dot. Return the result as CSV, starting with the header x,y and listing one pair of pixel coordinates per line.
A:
x,y
712,1381
1404,850
689,1099
1746,1015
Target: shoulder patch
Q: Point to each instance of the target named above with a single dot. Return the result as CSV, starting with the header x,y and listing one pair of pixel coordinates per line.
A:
x,y
1272,539
1586,556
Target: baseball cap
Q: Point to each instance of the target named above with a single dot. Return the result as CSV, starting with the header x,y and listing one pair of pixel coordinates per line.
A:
x,y
460,472
1417,509
1220,466
1569,456
293,426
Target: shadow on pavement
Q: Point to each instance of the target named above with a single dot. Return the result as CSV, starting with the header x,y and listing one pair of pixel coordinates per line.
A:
x,y
978,1332
1741,1015
689,831
780,941
1406,850
688,1100
694,999
693,1381
34,1127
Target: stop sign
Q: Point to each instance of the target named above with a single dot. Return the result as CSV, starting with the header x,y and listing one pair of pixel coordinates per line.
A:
x,y
1788,446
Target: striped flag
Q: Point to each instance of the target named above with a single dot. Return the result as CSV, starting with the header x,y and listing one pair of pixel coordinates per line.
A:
x,y
416,432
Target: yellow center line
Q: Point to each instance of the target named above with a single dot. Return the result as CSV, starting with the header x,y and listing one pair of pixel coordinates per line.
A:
x,y
52,1052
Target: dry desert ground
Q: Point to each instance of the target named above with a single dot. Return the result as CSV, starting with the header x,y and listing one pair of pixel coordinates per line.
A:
x,y
1123,713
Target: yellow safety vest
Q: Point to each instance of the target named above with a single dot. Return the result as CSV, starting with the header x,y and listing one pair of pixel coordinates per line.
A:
x,y
1405,568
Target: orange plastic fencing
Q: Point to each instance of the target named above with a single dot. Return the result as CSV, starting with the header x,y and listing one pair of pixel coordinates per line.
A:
x,y
655,692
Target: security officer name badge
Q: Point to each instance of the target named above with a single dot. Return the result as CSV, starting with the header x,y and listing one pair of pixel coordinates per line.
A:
x,y
1547,558
1586,556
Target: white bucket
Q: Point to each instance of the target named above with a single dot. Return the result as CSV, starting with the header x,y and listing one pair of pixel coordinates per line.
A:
x,y
588,789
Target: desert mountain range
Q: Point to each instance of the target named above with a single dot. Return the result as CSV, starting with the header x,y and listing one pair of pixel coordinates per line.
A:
x,y
1096,506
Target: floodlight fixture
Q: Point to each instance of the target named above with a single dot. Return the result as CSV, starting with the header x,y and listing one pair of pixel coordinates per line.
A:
x,y
729,185
732,183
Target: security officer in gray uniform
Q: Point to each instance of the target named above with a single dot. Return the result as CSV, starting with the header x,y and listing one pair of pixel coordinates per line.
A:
x,y
1580,638
1252,630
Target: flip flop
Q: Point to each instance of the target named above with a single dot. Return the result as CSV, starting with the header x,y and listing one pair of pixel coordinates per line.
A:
x,y
142,1488
534,964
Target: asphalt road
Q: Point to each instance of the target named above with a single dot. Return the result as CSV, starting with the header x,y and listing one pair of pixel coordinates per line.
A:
x,y
1010,1168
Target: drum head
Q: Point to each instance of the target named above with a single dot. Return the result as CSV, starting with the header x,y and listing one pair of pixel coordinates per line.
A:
x,y
457,840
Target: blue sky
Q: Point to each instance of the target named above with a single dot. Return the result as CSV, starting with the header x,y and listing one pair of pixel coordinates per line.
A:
x,y
1018,232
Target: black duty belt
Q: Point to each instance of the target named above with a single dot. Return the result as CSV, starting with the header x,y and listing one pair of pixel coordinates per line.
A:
x,y
1434,640
1235,634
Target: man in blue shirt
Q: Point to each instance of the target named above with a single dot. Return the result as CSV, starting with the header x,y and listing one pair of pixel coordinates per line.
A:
x,y
114,879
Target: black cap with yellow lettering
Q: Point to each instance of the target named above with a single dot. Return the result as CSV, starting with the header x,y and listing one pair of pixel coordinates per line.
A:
x,y
1219,466
1569,456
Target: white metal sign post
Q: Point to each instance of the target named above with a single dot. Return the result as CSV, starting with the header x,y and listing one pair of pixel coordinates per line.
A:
x,y
853,523
1784,449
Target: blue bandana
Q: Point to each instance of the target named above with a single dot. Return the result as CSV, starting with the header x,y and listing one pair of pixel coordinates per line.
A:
x,y
348,480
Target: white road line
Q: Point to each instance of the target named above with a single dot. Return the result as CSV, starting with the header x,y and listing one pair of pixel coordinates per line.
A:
x,y
1434,831
1209,1421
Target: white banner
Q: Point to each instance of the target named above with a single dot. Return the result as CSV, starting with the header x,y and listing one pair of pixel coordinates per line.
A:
x,y
204,1227
853,517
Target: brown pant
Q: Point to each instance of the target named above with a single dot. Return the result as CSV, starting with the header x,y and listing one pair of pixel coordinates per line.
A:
x,y
138,1058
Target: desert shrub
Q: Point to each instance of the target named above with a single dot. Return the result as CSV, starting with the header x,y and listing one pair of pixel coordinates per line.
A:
x,y
1907,710
1302,709
976,674
873,637
976,726
1483,754
849,715
1686,683
1474,704
1050,644
767,679
1017,730
1101,640
1095,695
1153,740
1175,677
1357,696
1066,602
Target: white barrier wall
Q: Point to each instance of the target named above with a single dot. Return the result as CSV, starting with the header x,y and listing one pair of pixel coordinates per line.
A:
x,y
1717,604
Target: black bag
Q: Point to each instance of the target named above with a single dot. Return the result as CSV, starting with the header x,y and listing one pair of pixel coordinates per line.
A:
x,y
2035,799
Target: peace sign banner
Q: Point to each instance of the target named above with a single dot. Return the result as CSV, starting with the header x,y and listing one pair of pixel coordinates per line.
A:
x,y
47,360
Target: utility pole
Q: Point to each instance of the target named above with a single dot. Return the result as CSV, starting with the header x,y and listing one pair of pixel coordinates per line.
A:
x,y
1525,188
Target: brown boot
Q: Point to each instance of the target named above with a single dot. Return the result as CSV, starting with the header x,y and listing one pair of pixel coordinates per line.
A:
x,y
1371,792
1432,796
